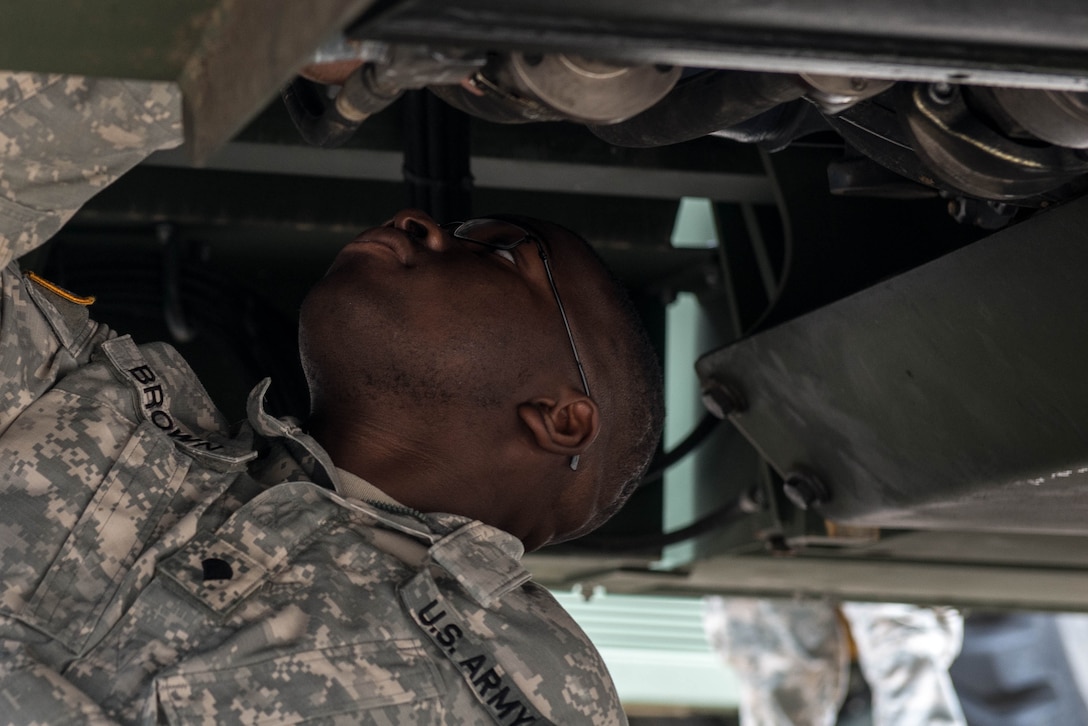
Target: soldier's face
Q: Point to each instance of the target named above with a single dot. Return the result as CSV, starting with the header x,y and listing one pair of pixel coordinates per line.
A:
x,y
439,342
438,316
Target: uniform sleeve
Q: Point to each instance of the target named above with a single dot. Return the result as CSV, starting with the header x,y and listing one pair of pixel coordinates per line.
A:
x,y
904,652
62,139
791,657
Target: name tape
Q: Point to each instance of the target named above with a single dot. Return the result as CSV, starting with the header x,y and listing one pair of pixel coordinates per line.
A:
x,y
490,684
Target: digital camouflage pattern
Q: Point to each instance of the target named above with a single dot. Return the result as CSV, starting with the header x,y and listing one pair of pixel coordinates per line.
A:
x,y
792,659
153,569
790,656
905,652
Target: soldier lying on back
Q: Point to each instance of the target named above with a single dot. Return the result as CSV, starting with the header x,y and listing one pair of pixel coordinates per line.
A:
x,y
477,389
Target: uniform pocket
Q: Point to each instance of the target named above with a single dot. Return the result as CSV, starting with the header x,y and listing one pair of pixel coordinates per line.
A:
x,y
109,534
390,682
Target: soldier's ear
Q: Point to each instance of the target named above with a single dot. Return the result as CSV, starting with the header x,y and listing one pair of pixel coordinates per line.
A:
x,y
565,425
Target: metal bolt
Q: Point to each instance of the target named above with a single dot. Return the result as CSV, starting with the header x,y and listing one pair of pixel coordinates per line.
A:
x,y
721,399
805,490
779,547
753,500
957,209
942,93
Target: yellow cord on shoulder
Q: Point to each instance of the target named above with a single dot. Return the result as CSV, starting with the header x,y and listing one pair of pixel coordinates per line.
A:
x,y
77,299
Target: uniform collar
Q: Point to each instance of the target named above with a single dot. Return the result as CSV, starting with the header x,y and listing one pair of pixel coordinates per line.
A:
x,y
314,461
460,545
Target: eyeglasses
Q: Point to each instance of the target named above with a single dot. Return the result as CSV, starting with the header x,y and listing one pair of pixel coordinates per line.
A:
x,y
499,234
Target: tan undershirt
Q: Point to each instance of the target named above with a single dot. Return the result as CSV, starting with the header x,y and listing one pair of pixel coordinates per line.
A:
x,y
358,488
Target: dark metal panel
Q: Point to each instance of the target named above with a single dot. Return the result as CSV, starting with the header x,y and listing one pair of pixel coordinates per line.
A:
x,y
497,173
118,39
1038,588
999,42
249,50
954,396
229,56
970,569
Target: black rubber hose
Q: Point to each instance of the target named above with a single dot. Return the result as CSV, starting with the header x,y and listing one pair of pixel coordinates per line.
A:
x,y
631,544
701,105
705,427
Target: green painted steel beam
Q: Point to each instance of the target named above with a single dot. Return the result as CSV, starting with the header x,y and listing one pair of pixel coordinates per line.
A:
x,y
110,38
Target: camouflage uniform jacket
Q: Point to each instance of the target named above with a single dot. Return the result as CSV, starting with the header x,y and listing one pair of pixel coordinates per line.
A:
x,y
156,566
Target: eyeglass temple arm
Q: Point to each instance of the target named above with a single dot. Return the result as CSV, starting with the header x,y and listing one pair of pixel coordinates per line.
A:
x,y
563,316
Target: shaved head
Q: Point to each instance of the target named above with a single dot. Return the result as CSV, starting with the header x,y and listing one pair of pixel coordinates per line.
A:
x,y
440,370
621,365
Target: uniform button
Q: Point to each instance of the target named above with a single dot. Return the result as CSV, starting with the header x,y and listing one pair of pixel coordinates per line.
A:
x,y
217,569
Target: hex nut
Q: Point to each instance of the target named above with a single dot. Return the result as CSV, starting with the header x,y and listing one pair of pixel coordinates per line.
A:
x,y
805,491
941,93
721,399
